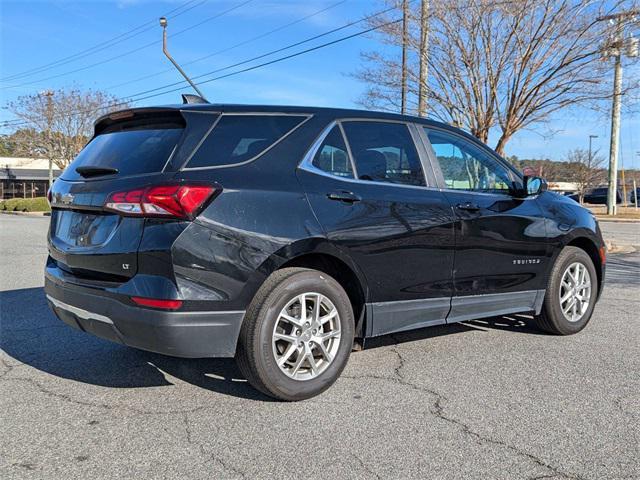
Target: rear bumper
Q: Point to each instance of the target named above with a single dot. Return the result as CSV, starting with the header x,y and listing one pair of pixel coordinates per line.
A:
x,y
191,334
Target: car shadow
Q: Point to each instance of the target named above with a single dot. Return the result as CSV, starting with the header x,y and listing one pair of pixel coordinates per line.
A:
x,y
31,334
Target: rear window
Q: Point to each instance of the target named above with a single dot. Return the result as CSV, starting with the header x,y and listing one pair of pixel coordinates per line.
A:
x,y
132,152
239,138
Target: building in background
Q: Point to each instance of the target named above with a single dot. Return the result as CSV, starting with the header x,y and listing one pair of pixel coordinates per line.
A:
x,y
24,177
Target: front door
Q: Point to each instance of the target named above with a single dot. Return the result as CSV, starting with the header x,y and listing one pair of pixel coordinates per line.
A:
x,y
501,246
371,196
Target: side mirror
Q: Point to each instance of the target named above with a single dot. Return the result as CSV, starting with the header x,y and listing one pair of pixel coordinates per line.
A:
x,y
534,185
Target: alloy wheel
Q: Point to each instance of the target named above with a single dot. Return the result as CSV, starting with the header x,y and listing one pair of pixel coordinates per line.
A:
x,y
306,336
575,291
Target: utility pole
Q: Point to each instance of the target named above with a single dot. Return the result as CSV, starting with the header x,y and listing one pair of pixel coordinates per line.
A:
x,y
405,45
615,50
49,117
423,90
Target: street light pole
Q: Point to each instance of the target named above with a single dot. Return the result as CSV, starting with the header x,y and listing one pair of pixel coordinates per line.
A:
x,y
591,137
163,24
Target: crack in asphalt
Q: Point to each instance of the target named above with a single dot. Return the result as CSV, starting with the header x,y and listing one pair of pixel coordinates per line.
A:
x,y
8,366
211,456
364,466
438,411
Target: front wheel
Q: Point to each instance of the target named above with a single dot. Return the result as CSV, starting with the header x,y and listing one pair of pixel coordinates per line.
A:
x,y
571,293
297,334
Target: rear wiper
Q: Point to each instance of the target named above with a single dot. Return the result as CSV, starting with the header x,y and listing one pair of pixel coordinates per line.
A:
x,y
95,171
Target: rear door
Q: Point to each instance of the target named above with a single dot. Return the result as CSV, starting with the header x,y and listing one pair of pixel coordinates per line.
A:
x,y
131,150
366,183
501,246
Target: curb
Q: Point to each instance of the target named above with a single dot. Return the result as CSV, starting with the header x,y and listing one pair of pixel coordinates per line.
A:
x,y
27,214
617,220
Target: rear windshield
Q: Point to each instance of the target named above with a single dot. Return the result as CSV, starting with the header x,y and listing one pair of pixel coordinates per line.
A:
x,y
132,152
238,138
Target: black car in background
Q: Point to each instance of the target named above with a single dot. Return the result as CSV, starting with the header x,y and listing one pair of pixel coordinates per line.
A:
x,y
281,235
598,196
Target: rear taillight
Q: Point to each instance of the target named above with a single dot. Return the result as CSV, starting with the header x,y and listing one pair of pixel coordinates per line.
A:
x,y
180,201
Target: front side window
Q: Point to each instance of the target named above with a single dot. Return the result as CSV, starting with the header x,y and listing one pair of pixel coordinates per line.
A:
x,y
332,156
384,152
466,166
238,138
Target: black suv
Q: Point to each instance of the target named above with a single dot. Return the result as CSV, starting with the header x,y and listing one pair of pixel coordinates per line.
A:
x,y
281,235
598,196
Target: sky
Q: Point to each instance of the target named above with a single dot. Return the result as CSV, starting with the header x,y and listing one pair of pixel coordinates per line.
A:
x,y
36,33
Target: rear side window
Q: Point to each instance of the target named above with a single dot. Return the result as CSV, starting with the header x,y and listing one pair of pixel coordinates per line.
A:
x,y
332,156
238,138
131,152
384,152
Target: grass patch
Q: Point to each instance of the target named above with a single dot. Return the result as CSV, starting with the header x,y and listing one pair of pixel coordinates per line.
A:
x,y
38,204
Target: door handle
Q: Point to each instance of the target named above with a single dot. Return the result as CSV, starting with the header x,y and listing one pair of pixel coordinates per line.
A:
x,y
468,206
344,196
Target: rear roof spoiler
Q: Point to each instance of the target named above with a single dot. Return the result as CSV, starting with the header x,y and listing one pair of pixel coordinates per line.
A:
x,y
139,117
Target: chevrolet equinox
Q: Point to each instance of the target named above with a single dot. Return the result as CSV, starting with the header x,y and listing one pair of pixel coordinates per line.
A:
x,y
282,235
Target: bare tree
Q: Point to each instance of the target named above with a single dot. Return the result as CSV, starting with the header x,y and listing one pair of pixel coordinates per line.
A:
x,y
508,64
59,123
585,170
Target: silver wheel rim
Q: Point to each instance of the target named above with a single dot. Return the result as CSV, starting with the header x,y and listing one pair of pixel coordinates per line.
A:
x,y
575,291
306,336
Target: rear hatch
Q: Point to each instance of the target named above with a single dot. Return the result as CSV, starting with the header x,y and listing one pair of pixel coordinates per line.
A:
x,y
98,209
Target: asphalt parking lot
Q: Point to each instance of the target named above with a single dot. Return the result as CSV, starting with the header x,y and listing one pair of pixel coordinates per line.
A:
x,y
485,399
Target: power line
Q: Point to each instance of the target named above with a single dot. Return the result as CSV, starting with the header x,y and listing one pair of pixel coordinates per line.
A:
x,y
142,47
133,99
224,50
134,32
254,67
267,54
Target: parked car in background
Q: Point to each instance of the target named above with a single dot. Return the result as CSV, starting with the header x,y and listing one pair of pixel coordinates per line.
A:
x,y
634,195
598,196
281,235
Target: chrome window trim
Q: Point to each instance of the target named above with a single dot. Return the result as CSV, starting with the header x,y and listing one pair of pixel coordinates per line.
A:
x,y
186,168
307,165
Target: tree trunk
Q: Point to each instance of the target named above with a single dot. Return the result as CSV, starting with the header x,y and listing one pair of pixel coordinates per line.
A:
x,y
405,46
502,142
423,91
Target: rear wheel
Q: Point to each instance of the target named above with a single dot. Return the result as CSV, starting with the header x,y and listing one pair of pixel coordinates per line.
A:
x,y
571,293
297,334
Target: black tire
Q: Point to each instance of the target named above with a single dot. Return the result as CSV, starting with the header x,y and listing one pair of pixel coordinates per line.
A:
x,y
255,355
551,318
